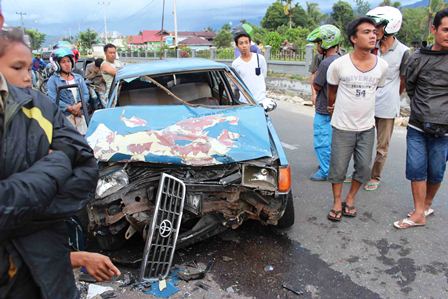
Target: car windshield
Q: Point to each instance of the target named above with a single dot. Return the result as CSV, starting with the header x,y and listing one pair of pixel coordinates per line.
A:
x,y
208,88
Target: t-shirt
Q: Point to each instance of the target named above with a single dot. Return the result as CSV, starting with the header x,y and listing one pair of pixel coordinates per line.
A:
x,y
246,70
315,62
109,78
355,99
74,90
388,97
321,80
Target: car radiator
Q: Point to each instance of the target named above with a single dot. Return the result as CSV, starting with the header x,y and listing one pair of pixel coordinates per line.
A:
x,y
162,235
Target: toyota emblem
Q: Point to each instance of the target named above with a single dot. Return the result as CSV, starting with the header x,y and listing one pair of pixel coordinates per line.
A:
x,y
165,228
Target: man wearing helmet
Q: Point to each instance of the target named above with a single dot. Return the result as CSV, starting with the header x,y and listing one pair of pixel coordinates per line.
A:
x,y
427,135
387,106
69,99
327,38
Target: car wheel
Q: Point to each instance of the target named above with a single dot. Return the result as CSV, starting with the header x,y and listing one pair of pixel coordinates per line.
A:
x,y
288,217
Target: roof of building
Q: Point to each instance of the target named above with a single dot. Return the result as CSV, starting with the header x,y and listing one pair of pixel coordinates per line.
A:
x,y
195,41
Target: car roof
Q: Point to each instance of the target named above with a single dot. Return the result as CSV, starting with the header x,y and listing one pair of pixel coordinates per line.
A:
x,y
165,66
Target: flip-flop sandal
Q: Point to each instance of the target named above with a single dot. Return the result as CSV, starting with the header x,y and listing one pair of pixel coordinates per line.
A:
x,y
337,215
346,213
406,223
428,212
371,186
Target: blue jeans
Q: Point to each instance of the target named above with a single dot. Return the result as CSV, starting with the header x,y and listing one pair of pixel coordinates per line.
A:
x,y
426,156
322,141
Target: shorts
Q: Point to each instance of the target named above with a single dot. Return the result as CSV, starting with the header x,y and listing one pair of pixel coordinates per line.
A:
x,y
426,156
346,144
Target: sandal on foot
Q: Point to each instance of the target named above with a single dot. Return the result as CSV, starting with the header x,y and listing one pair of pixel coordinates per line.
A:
x,y
406,223
428,212
346,210
337,215
372,185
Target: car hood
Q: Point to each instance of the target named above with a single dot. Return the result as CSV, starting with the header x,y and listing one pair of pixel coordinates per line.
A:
x,y
179,134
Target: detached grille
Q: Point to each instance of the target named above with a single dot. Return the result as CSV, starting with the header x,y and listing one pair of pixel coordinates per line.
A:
x,y
162,235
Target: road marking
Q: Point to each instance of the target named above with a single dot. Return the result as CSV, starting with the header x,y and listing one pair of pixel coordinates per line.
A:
x,y
289,146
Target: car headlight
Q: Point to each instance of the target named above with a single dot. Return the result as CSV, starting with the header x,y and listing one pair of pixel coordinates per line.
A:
x,y
264,178
111,183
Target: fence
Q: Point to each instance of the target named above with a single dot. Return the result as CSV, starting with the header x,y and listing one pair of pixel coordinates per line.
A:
x,y
285,62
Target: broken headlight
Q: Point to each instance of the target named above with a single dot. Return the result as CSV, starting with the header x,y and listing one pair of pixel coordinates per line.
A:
x,y
111,182
264,178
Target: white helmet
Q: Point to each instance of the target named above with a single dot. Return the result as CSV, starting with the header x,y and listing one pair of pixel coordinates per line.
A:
x,y
390,16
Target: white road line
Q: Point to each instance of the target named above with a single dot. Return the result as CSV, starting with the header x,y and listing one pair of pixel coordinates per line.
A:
x,y
289,146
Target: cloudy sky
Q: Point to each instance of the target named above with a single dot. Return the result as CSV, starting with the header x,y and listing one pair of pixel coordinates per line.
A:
x,y
131,16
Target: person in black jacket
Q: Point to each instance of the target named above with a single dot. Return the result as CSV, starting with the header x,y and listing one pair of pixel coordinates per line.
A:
x,y
47,173
427,136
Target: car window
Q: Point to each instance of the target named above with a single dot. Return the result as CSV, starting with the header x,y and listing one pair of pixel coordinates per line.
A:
x,y
209,88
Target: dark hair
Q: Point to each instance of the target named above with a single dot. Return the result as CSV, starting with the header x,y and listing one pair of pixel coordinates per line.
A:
x,y
7,38
98,62
352,27
439,16
240,34
107,46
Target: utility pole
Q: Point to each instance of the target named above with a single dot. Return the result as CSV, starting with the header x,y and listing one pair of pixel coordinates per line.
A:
x,y
162,30
104,4
21,20
175,24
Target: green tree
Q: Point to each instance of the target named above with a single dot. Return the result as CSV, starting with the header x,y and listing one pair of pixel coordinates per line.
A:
x,y
223,39
414,27
36,38
86,39
226,27
273,39
342,14
276,15
314,16
390,3
362,7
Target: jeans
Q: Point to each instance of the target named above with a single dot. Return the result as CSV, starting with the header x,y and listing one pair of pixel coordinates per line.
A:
x,y
426,156
322,141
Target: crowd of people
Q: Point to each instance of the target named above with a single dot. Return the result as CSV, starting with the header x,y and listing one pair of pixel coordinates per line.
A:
x,y
48,172
359,93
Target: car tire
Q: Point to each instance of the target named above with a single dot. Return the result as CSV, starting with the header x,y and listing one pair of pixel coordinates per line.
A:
x,y
288,217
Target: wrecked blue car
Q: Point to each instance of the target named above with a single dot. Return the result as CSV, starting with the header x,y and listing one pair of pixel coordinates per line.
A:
x,y
196,121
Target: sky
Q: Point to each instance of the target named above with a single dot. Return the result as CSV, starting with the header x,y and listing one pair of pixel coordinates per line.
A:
x,y
131,16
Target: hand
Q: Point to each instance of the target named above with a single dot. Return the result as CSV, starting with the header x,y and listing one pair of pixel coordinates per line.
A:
x,y
268,104
76,109
313,99
97,265
330,109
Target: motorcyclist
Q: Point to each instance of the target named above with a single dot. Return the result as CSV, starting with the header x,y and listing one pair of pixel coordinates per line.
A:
x,y
69,99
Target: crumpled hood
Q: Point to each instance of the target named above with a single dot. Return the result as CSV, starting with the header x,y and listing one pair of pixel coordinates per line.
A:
x,y
179,134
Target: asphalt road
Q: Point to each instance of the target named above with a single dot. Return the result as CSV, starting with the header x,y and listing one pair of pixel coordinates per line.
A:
x,y
368,250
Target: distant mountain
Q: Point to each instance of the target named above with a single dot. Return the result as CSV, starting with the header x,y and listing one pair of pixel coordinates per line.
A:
x,y
421,3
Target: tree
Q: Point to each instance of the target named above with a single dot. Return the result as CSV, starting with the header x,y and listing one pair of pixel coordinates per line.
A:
x,y
314,16
86,39
275,16
362,7
36,38
390,3
223,39
342,14
414,27
273,39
